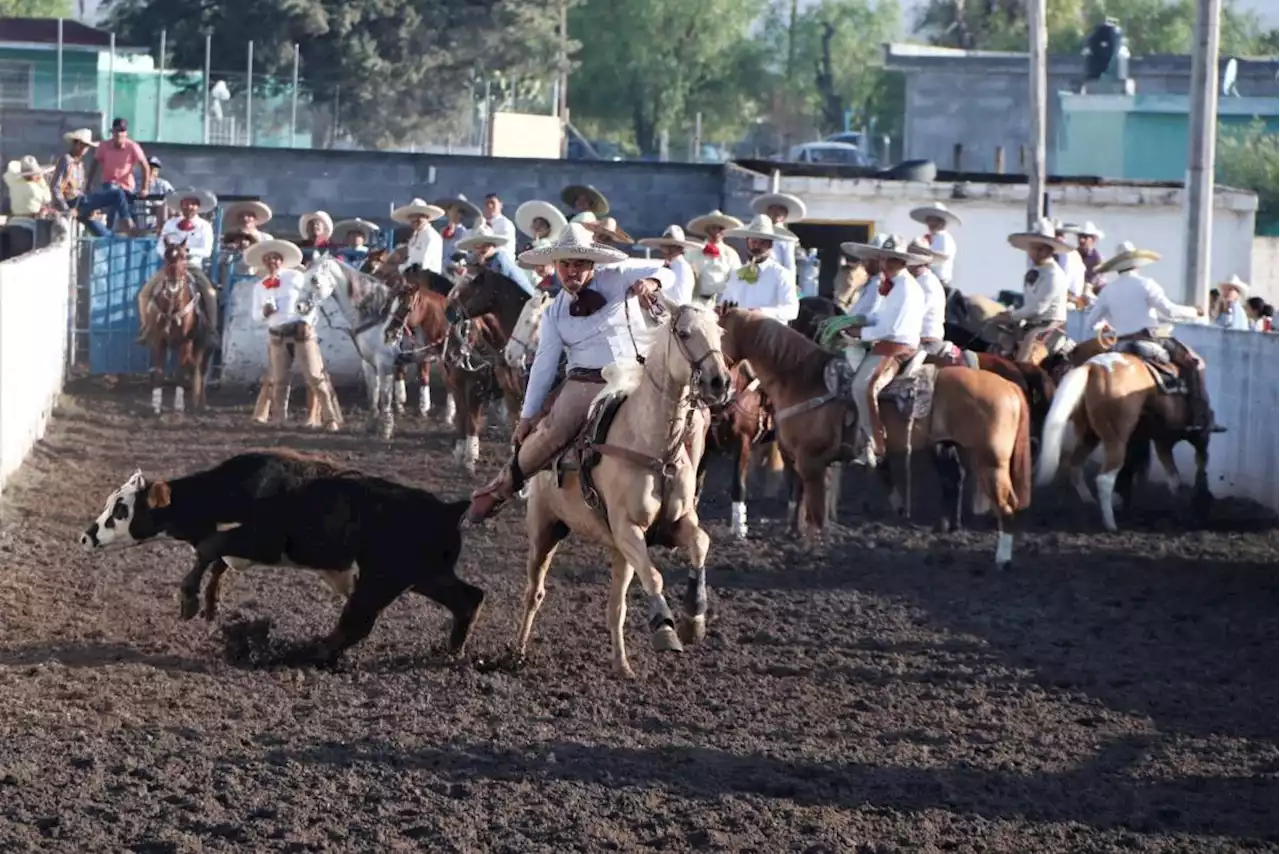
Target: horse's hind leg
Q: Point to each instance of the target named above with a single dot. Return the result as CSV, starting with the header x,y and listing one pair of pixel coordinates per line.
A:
x,y
738,489
401,395
619,581
689,534
834,477
1164,452
950,468
775,476
629,540
1201,497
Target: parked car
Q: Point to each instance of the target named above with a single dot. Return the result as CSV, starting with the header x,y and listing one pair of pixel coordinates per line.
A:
x,y
852,137
830,152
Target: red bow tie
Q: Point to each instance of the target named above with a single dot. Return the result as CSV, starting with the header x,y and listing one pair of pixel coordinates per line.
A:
x,y
449,231
711,250
547,282
886,285
186,225
271,282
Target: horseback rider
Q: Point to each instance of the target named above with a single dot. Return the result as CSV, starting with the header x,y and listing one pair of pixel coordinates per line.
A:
x,y
1132,305
607,232
195,231
1045,289
459,210
316,229
486,248
779,209
892,329
863,302
1087,237
715,260
932,329
425,249
248,217
672,246
353,236
599,320
1071,263
283,300
586,202
763,284
938,218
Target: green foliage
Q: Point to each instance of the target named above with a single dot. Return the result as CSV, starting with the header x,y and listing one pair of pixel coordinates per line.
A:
x,y
35,9
1247,158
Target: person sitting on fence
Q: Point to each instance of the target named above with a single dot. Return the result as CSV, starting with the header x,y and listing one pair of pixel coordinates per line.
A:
x,y
189,226
248,217
69,188
160,213
117,161
1231,312
353,235
29,195
425,249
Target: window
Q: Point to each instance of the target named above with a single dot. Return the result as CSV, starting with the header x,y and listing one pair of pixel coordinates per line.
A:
x,y
17,84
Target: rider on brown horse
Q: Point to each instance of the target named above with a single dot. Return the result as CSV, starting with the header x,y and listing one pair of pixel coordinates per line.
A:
x,y
195,233
1043,314
933,327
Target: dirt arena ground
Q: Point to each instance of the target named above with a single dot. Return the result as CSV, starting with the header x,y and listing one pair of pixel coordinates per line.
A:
x,y
884,692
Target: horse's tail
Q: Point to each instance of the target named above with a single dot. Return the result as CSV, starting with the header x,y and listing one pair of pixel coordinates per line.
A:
x,y
1020,464
1065,401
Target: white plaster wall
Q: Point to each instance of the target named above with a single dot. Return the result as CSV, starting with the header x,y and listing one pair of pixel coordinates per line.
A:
x,y
1152,218
244,341
35,292
1266,269
1243,378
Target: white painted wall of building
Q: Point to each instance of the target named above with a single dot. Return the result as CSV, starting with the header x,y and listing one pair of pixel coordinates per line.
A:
x,y
1266,269
1152,218
35,292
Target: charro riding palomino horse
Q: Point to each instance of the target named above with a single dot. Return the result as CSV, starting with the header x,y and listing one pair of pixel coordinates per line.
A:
x,y
929,407
178,327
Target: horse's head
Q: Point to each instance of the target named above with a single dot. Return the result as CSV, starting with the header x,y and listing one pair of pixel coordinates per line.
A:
x,y
175,252
128,516
523,342
696,335
485,292
323,275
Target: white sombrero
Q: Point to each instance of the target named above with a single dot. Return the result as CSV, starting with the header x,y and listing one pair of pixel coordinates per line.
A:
x,y
673,236
937,209
1237,283
417,207
574,242
1089,230
469,209
761,228
323,217
28,166
537,209
82,135
599,204
897,248
863,250
346,226
208,201
480,237
699,224
258,209
795,207
1043,234
286,249
608,227
1127,257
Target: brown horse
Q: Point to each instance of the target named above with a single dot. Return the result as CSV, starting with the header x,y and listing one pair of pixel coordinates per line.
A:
x,y
981,413
1035,381
180,329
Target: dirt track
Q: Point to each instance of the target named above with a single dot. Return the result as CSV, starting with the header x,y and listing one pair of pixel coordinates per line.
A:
x,y
883,692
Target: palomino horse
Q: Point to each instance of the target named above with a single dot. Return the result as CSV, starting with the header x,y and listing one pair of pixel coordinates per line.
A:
x,y
640,474
977,411
483,310
374,318
180,328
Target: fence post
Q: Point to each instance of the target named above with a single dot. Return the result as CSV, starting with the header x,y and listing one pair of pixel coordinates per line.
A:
x,y
111,81
208,58
160,87
248,101
957,156
59,101
999,159
293,118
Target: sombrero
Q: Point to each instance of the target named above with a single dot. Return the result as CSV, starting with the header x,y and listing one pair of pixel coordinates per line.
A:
x,y
608,227
469,208
673,236
897,248
761,228
417,207
258,209
208,201
291,254
699,224
537,209
1043,234
1088,230
1127,257
574,242
795,207
599,204
864,250
28,166
481,236
937,209
229,237
1237,283
82,135
346,226
318,215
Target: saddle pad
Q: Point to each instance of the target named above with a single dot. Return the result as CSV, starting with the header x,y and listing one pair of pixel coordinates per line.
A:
x,y
594,432
1162,374
913,395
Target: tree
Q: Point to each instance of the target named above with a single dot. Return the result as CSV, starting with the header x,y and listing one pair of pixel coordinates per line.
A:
x,y
1247,158
394,70
35,8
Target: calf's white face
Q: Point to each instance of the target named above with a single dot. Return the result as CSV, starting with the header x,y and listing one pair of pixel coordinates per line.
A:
x,y
117,525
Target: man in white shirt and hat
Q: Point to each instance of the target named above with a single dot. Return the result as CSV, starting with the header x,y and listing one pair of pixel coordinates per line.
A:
x,y
425,248
285,303
461,215
672,246
587,203
864,301
498,222
781,208
1133,306
714,260
892,329
539,221
596,320
190,228
933,332
1234,292
1045,290
762,284
247,217
1087,237
937,217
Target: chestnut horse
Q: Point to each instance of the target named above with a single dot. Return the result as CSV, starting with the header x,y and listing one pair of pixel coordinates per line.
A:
x,y
979,412
180,329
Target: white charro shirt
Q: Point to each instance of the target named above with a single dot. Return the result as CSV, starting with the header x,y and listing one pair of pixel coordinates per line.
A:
x,y
1132,303
935,306
773,293
899,315
713,272
681,290
943,243
426,249
286,299
1044,295
199,240
1073,265
598,340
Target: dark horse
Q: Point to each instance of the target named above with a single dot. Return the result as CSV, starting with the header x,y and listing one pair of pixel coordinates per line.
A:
x,y
181,329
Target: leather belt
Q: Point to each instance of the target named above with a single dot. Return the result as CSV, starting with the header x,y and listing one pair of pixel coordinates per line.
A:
x,y
586,375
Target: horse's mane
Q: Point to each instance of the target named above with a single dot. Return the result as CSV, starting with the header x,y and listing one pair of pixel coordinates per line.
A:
x,y
783,349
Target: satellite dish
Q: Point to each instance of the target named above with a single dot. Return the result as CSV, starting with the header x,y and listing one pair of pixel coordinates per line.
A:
x,y
1229,78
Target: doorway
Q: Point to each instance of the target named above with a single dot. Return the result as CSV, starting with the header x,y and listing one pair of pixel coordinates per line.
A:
x,y
826,236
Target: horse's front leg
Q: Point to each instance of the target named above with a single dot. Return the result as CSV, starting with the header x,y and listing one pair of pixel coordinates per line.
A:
x,y
688,533
424,388
401,394
157,377
628,538
1201,497
386,408
738,489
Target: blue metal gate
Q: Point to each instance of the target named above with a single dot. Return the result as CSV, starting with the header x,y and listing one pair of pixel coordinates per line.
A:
x,y
117,268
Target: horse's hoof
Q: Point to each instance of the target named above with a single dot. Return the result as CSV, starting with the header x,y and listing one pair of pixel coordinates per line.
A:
x,y
623,671
693,629
665,639
189,607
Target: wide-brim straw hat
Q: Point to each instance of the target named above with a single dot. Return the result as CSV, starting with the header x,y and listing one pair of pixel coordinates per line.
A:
x,y
343,228
1044,234
287,250
29,166
538,209
1235,282
608,227
208,201
1127,257
322,216
573,242
81,135
864,250
417,207
937,209
795,207
599,204
229,237
1088,230
897,248
699,224
761,228
481,236
673,236
258,209
470,210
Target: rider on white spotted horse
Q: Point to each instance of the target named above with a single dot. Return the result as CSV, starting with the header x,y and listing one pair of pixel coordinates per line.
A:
x,y
1046,287
1132,305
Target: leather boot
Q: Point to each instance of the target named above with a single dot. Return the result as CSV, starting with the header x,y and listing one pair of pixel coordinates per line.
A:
x,y
486,500
327,409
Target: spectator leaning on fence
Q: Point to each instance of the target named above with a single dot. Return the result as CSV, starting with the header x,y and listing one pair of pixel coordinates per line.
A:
x,y
29,195
70,188
160,187
116,160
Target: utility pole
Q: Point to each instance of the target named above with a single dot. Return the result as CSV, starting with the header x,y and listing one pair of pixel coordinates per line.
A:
x,y
1038,37
791,39
562,79
1202,133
